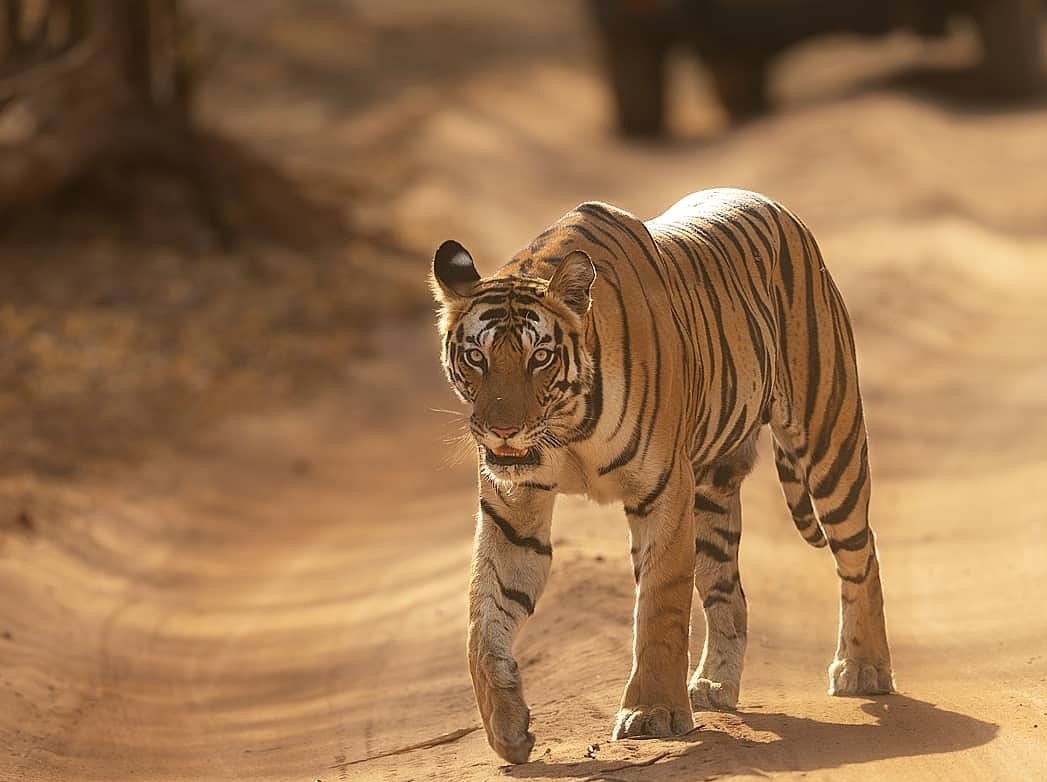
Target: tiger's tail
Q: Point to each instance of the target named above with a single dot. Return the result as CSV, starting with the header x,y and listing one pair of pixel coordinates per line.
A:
x,y
798,498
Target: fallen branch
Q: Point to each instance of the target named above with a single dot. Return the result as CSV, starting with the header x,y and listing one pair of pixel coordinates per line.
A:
x,y
627,766
443,738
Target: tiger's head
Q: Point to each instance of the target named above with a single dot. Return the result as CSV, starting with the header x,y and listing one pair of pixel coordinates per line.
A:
x,y
514,348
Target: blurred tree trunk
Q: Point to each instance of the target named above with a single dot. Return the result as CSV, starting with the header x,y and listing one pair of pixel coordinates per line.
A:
x,y
82,79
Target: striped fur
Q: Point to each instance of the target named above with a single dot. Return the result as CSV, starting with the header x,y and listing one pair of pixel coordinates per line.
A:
x,y
636,362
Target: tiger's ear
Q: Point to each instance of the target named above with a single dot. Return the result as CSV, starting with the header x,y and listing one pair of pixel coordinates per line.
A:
x,y
453,273
571,281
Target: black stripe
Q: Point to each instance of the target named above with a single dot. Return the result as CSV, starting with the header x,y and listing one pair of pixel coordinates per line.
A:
x,y
536,485
627,360
761,232
516,297
815,538
785,263
593,399
868,568
515,595
814,374
656,400
645,504
784,358
495,298
726,585
503,610
682,293
711,550
722,476
803,511
631,447
734,436
512,535
613,223
784,464
844,510
720,591
703,503
729,535
833,407
856,542
845,453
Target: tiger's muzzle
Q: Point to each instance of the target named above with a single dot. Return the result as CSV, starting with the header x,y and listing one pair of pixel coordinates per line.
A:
x,y
503,447
512,457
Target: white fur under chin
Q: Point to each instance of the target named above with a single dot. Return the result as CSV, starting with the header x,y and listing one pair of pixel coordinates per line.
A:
x,y
506,478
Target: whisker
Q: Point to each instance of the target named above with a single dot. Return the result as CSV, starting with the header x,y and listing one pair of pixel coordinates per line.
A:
x,y
455,439
457,431
458,413
460,447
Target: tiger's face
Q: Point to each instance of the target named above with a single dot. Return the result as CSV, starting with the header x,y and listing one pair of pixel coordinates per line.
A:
x,y
514,349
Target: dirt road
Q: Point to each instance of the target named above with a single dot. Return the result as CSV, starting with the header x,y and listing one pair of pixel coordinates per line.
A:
x,y
285,600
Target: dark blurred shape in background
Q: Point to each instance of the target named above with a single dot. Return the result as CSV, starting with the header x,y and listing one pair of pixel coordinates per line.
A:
x,y
155,271
206,206
738,41
80,79
209,206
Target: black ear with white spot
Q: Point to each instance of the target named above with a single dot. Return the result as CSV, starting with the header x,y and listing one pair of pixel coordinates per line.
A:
x,y
453,271
571,281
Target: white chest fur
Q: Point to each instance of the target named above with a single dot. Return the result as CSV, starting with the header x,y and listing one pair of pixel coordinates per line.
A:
x,y
578,472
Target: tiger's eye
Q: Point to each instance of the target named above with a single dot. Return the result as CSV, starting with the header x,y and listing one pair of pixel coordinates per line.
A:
x,y
541,358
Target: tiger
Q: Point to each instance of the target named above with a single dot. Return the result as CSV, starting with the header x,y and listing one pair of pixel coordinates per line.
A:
x,y
636,362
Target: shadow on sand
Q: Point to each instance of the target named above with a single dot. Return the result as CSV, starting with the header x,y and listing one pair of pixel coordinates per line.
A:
x,y
905,727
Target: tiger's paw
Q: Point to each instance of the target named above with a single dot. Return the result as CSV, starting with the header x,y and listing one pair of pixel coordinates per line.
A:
x,y
707,695
855,677
514,747
507,731
650,722
499,694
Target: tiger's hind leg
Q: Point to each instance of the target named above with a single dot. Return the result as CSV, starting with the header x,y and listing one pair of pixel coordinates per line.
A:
x,y
837,469
718,531
794,486
840,493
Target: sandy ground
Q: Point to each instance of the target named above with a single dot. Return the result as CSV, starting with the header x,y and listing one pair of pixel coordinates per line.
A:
x,y
284,598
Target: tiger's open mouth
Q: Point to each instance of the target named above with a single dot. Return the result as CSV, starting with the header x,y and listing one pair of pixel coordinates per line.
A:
x,y
505,456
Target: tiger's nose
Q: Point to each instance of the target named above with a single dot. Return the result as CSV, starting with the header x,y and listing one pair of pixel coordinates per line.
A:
x,y
505,432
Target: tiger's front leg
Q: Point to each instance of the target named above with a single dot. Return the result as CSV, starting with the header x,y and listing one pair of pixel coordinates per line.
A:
x,y
511,559
661,528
